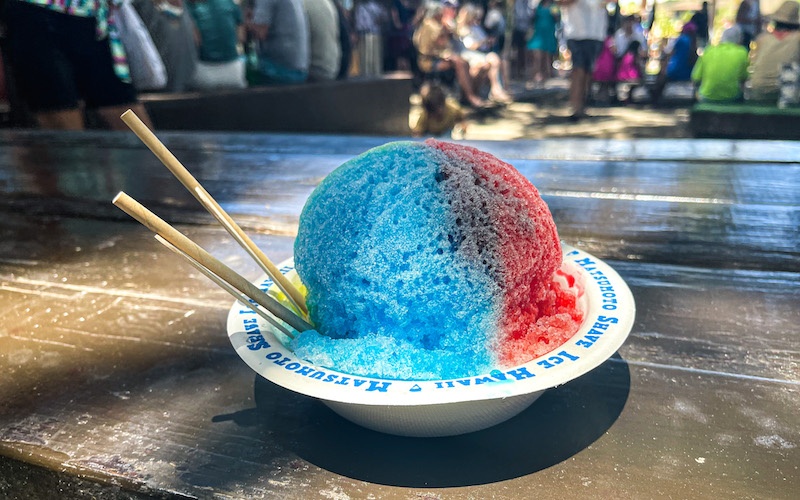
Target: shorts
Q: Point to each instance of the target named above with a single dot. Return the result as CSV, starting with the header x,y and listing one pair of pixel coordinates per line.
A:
x,y
584,53
271,73
473,57
59,62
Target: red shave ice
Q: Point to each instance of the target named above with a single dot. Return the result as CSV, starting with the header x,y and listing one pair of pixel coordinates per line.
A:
x,y
428,261
537,314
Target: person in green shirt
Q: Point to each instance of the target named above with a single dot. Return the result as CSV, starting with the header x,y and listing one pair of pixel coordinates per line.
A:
x,y
220,31
722,69
218,23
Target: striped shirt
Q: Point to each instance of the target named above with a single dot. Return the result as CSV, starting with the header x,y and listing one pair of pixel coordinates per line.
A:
x,y
107,25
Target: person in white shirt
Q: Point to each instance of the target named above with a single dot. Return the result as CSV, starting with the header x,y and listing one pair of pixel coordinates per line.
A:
x,y
585,23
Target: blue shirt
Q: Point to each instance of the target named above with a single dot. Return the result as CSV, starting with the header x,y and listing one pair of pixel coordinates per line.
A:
x,y
217,22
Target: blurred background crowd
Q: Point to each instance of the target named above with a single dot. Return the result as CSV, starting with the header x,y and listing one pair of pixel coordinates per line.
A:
x,y
62,57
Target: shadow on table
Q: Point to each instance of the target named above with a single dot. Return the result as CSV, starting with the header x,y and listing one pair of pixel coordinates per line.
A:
x,y
560,424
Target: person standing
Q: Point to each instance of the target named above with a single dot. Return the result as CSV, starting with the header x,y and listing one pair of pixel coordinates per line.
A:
x,y
585,23
371,22
400,48
519,38
543,46
748,18
700,19
66,53
494,22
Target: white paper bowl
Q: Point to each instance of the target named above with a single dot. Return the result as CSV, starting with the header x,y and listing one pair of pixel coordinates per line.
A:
x,y
447,407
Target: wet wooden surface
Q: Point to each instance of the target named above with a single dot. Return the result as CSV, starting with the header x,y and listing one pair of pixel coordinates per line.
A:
x,y
117,378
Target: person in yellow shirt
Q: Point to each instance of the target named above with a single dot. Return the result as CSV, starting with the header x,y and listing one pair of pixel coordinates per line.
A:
x,y
440,114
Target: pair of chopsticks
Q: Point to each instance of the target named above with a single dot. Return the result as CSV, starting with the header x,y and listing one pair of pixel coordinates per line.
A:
x,y
228,279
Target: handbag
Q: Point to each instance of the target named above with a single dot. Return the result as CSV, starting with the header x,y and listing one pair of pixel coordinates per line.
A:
x,y
219,75
147,68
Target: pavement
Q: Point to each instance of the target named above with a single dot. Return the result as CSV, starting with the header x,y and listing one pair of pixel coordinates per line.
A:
x,y
543,113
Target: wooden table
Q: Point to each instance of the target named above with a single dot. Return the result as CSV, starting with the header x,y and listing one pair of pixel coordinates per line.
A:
x,y
117,379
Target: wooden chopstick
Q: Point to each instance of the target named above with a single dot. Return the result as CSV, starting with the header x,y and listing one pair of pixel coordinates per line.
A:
x,y
226,286
173,236
198,191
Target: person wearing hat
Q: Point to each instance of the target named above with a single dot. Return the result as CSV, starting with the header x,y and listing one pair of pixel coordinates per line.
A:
x,y
722,69
775,48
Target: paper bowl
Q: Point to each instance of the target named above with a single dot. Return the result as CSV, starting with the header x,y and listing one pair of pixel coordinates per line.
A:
x,y
433,408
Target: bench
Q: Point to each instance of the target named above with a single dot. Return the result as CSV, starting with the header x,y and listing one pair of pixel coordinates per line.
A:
x,y
371,106
744,121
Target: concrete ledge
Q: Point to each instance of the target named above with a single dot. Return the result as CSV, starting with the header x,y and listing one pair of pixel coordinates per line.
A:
x,y
376,106
744,121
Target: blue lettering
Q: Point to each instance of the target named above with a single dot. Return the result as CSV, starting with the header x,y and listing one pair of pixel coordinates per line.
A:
x,y
304,370
330,377
568,356
283,361
378,386
520,373
559,358
256,342
342,381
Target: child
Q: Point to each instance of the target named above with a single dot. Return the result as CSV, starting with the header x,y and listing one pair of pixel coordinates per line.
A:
x,y
440,114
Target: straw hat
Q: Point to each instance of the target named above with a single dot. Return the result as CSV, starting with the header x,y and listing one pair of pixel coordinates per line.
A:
x,y
787,13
